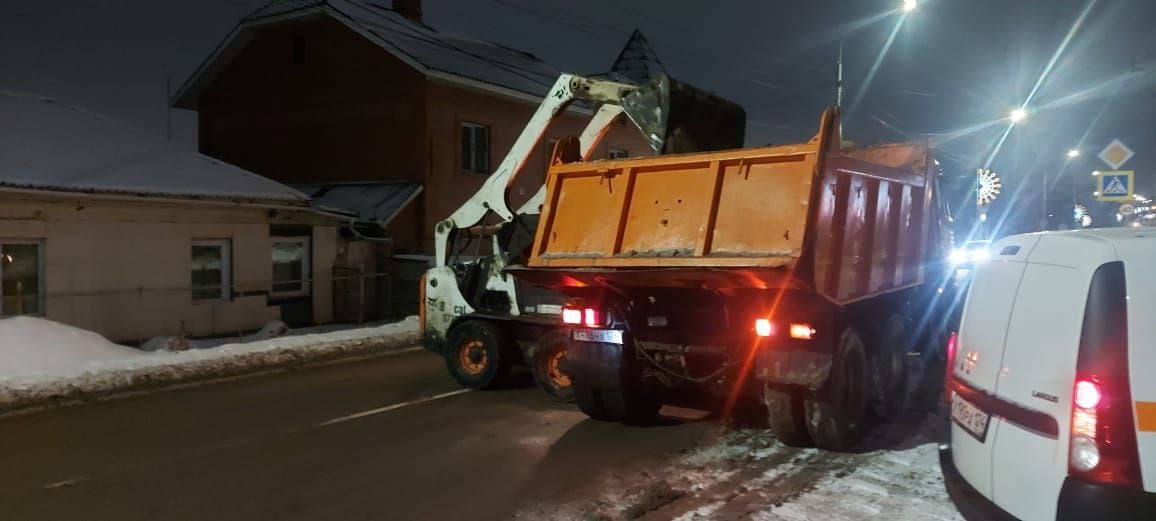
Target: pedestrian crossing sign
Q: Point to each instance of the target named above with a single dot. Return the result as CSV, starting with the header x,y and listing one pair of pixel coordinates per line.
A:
x,y
1114,186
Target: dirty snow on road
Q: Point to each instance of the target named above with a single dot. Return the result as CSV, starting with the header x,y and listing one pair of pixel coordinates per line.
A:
x,y
746,474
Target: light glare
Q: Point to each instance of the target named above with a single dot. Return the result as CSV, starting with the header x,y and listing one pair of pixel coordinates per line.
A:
x,y
909,5
1018,115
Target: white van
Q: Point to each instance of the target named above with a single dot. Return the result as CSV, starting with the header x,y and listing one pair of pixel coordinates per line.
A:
x,y
1052,380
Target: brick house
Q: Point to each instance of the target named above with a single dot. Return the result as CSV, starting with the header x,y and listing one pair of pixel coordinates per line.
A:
x,y
333,93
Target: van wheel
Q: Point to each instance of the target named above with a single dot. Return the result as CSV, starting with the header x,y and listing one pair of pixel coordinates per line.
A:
x,y
889,370
589,400
549,355
786,418
836,413
476,354
634,404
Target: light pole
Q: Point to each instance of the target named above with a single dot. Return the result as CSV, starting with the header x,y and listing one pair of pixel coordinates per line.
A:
x,y
907,7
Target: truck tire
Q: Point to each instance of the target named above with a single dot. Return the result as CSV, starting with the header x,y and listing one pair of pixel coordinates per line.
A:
x,y
634,404
589,401
786,418
889,369
836,413
549,352
477,354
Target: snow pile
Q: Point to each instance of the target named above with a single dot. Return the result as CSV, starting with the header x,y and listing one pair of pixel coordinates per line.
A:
x,y
273,329
46,361
30,346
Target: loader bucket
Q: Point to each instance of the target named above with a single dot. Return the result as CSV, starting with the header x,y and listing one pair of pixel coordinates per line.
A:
x,y
678,118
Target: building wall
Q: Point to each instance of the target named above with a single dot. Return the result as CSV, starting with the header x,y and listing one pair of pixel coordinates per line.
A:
x,y
123,268
447,186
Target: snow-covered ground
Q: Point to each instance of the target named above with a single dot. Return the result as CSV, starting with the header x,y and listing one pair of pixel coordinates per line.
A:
x,y
43,361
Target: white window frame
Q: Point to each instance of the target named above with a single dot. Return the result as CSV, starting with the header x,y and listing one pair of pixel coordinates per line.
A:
x,y
40,300
471,168
617,153
226,268
307,283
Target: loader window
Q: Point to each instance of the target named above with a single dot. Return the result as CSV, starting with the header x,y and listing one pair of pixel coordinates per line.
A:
x,y
475,148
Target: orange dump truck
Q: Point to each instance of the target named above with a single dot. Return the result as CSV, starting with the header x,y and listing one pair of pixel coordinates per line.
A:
x,y
798,274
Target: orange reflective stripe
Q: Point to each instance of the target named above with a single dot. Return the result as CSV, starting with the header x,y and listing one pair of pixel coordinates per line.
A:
x,y
1146,416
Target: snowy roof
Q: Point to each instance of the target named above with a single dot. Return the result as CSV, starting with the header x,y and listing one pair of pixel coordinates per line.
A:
x,y
45,144
376,203
638,62
455,58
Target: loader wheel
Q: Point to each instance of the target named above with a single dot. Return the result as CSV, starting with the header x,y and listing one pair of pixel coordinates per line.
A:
x,y
476,354
835,415
786,418
589,401
548,357
889,370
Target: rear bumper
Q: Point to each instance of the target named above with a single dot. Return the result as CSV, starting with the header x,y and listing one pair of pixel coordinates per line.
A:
x,y
967,499
1079,500
1083,500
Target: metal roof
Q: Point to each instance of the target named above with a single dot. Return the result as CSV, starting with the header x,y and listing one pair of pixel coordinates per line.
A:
x,y
376,203
453,58
45,144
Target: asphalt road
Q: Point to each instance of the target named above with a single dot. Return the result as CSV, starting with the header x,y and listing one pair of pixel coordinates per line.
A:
x,y
379,438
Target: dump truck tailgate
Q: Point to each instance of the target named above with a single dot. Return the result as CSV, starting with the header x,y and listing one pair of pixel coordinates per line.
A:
x,y
735,208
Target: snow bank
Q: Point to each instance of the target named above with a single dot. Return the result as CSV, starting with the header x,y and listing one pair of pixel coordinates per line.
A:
x,y
44,361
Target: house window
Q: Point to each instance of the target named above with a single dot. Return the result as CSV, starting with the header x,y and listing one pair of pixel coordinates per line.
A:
x,y
617,153
290,266
475,148
211,273
21,278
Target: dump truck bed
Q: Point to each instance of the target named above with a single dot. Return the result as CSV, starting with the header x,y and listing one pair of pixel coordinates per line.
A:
x,y
849,224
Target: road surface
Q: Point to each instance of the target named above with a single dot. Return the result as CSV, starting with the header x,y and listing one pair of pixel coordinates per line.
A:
x,y
383,438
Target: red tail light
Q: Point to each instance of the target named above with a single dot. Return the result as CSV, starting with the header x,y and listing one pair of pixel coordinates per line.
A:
x,y
571,316
802,331
591,317
763,327
1102,444
952,344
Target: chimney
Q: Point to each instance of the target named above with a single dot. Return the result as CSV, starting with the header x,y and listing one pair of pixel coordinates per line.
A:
x,y
410,9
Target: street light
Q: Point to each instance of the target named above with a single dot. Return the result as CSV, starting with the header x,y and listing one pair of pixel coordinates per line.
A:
x,y
1073,153
1018,115
907,7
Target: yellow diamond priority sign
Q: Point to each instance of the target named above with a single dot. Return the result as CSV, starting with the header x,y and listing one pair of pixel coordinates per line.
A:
x,y
1116,154
1114,186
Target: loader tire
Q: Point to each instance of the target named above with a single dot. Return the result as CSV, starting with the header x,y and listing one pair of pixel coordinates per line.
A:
x,y
589,400
478,354
549,354
836,413
889,370
786,417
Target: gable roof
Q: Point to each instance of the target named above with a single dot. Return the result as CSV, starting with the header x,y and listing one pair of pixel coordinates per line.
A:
x,y
452,58
48,145
373,203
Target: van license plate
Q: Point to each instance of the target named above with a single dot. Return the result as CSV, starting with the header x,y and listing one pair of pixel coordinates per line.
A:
x,y
969,417
602,336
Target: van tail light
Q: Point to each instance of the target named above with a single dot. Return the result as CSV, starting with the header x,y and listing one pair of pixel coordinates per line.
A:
x,y
591,317
948,374
1102,444
572,316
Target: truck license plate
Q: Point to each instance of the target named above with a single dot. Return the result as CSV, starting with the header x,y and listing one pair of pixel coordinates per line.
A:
x,y
969,417
602,336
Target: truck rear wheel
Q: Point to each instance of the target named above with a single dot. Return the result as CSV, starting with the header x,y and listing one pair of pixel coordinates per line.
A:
x,y
889,370
633,404
589,400
786,418
476,354
835,415
549,354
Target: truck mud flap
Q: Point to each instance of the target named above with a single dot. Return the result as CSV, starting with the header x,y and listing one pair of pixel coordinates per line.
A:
x,y
595,365
793,367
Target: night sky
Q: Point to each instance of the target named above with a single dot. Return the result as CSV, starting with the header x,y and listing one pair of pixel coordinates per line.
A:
x,y
954,69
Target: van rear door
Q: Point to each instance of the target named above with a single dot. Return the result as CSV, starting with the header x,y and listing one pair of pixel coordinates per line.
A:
x,y
978,358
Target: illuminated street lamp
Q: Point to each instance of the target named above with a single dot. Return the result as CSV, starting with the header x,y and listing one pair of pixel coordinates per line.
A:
x,y
1018,115
909,5
1073,153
